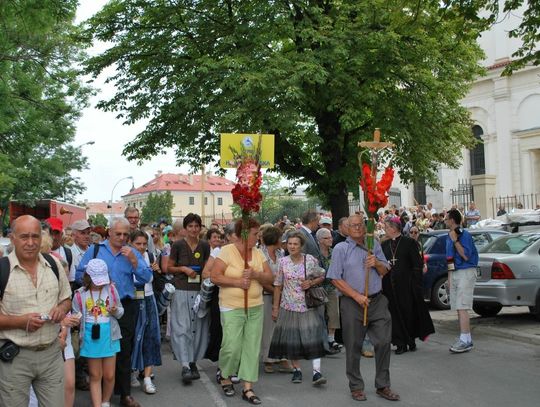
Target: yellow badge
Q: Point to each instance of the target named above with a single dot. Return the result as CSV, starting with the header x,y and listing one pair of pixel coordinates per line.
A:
x,y
197,255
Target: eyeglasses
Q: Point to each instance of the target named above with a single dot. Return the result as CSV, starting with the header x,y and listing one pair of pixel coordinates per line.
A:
x,y
356,225
413,233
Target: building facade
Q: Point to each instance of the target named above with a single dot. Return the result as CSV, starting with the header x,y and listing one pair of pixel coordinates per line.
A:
x,y
207,195
505,166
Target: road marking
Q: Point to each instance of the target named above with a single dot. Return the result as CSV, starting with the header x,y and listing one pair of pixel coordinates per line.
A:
x,y
214,394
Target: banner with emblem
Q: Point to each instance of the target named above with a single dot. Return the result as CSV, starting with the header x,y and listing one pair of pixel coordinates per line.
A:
x,y
248,142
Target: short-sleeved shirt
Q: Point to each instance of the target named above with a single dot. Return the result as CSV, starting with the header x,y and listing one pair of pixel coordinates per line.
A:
x,y
347,264
22,297
233,297
291,276
470,213
182,255
466,241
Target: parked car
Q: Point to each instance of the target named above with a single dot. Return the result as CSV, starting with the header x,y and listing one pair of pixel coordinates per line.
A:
x,y
509,274
5,244
435,280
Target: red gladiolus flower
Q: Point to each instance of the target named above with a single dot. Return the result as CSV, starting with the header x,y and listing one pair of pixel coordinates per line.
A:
x,y
375,194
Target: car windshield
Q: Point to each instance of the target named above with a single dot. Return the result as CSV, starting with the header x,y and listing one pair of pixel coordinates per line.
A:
x,y
512,244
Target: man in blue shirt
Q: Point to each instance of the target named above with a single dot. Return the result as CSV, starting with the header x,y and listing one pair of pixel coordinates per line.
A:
x,y
350,260
124,263
461,276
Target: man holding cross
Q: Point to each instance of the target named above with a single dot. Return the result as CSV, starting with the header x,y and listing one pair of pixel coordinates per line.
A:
x,y
350,260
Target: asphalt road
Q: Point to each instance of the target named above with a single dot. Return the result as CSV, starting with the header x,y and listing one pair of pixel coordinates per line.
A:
x,y
498,372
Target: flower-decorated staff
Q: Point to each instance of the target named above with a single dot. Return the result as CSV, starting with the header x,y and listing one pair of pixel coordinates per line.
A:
x,y
375,192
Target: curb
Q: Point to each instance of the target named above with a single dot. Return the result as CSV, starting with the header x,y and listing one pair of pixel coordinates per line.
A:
x,y
488,330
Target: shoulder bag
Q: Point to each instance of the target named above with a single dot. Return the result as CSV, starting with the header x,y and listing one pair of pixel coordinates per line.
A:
x,y
315,295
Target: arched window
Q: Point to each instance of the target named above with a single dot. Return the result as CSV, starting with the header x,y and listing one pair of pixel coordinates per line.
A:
x,y
478,161
419,187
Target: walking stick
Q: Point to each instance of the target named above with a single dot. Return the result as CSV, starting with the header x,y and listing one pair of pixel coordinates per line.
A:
x,y
366,291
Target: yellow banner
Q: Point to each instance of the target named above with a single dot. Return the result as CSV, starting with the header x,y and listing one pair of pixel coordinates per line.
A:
x,y
250,143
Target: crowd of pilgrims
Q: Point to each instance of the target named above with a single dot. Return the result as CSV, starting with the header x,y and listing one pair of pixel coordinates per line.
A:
x,y
205,316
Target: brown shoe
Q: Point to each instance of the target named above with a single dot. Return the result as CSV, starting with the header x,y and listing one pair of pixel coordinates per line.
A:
x,y
269,368
367,353
388,394
358,395
129,401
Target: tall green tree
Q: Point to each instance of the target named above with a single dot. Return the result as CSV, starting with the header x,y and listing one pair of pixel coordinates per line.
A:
x,y
98,220
319,74
158,206
40,99
528,31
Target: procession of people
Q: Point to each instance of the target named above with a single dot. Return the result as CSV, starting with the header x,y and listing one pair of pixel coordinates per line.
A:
x,y
261,301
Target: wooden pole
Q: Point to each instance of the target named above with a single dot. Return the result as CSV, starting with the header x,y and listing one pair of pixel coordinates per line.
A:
x,y
246,266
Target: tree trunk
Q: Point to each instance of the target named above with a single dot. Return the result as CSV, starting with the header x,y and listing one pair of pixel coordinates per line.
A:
x,y
339,204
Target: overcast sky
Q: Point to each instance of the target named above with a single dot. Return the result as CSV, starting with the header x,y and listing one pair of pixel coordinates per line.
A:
x,y
106,163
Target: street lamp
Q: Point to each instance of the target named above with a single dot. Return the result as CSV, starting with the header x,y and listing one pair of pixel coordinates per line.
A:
x,y
112,192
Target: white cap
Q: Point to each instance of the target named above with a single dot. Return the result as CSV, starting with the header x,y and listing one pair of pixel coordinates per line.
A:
x,y
98,272
325,220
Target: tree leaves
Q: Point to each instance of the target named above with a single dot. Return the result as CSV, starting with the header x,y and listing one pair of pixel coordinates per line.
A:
x,y
319,75
41,99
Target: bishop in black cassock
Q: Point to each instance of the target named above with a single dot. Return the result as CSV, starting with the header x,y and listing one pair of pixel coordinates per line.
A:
x,y
403,288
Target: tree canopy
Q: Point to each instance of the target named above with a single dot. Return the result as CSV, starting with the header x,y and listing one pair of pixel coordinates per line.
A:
x,y
98,220
319,74
40,100
528,32
157,207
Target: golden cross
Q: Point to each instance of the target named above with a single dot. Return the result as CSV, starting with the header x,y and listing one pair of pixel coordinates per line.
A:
x,y
376,143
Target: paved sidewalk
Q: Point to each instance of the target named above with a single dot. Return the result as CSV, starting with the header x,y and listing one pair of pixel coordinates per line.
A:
x,y
512,323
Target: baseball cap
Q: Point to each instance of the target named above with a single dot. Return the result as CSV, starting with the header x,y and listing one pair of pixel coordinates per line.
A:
x,y
325,220
98,272
80,225
56,224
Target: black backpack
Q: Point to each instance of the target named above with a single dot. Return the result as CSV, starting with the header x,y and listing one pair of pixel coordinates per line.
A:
x,y
69,256
5,268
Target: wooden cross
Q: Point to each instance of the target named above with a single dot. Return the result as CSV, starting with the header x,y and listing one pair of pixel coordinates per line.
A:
x,y
376,144
374,147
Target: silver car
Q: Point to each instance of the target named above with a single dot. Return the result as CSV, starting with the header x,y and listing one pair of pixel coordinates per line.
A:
x,y
509,274
5,246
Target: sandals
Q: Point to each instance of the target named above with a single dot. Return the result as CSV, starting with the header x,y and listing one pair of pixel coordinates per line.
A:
x,y
387,394
228,388
253,399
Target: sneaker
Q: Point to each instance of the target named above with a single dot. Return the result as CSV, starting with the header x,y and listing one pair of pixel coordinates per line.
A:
x,y
218,375
297,376
194,371
332,351
106,404
141,375
149,388
334,345
460,347
234,379
186,375
134,381
318,379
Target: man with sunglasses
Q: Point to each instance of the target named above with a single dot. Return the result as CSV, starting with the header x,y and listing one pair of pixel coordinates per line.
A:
x,y
124,263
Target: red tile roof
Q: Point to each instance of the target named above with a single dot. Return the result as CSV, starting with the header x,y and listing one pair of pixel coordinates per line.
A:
x,y
184,183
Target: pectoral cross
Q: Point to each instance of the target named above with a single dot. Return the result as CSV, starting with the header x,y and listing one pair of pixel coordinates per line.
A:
x,y
393,260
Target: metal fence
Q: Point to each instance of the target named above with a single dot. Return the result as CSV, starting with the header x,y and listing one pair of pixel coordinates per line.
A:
x,y
523,201
463,195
